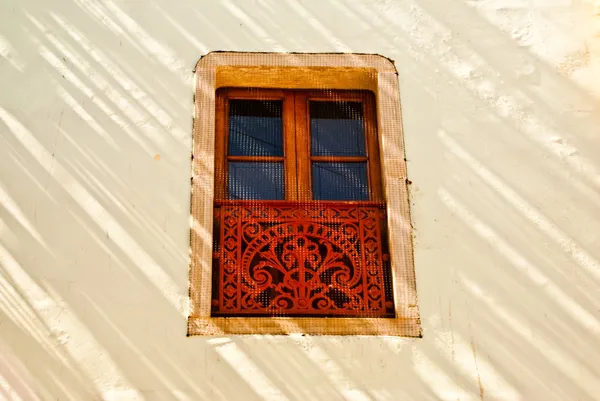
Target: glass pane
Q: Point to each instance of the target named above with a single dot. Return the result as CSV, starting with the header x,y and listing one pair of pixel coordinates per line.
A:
x,y
337,129
340,181
255,180
255,128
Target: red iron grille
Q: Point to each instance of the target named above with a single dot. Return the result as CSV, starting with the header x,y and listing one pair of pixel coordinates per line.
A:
x,y
287,258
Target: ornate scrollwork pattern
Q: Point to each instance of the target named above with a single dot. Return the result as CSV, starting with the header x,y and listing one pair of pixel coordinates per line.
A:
x,y
283,258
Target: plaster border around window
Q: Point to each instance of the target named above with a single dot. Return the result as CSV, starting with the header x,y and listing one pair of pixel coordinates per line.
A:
x,y
301,71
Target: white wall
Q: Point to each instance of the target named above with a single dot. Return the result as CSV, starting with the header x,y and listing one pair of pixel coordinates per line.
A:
x,y
502,121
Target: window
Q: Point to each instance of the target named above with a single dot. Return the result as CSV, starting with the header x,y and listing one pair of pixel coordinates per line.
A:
x,y
299,219
303,206
296,145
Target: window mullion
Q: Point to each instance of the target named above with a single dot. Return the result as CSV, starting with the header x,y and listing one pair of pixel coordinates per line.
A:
x,y
289,132
303,147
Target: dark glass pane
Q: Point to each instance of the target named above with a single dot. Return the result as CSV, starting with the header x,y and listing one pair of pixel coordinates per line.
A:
x,y
255,128
255,180
337,129
340,181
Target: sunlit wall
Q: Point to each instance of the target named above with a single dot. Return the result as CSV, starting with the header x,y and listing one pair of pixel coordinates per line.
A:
x,y
501,113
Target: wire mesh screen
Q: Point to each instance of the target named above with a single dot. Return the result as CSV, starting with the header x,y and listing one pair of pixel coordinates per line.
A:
x,y
299,127
277,256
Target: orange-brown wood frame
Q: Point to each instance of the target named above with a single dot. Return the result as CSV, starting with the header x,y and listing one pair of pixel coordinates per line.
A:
x,y
296,138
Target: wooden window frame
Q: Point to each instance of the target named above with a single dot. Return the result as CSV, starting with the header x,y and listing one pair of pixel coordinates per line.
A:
x,y
296,138
353,72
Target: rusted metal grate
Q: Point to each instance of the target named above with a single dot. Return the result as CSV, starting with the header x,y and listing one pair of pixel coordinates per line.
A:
x,y
289,258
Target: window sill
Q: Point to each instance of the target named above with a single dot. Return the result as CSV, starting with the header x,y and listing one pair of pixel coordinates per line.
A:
x,y
214,326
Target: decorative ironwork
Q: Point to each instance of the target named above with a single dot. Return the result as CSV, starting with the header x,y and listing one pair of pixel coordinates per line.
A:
x,y
301,259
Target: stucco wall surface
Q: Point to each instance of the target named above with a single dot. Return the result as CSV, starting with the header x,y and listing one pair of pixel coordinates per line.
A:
x,y
500,103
